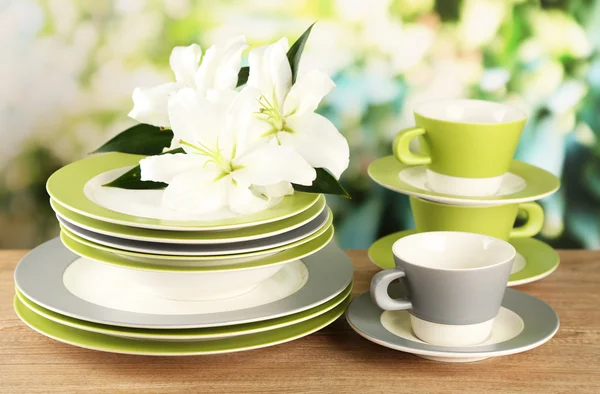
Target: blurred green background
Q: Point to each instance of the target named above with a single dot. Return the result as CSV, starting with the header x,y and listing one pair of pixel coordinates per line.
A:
x,y
69,67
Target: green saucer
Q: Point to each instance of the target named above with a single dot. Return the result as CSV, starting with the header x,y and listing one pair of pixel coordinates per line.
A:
x,y
66,186
523,183
107,343
537,259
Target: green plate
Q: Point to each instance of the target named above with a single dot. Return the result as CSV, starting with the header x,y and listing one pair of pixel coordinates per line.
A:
x,y
107,343
66,187
187,334
540,260
538,183
108,255
191,237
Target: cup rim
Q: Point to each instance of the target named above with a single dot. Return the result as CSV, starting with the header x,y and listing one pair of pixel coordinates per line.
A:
x,y
523,115
408,239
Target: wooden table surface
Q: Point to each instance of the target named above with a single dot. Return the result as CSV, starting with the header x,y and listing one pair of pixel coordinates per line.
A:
x,y
333,360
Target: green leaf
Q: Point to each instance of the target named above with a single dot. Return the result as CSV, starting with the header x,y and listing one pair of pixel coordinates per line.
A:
x,y
141,139
243,76
324,183
295,52
131,179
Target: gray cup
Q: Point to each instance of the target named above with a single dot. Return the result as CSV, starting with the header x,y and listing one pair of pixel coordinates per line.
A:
x,y
455,283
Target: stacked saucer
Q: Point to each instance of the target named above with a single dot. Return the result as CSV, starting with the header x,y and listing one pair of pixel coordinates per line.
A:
x,y
469,182
128,276
463,181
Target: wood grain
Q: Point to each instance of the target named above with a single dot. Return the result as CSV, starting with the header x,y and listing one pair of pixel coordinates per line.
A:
x,y
333,360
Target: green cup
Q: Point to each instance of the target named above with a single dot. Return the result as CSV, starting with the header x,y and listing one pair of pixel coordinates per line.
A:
x,y
466,146
496,221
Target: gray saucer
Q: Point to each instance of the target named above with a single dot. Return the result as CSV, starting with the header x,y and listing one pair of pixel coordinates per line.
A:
x,y
39,276
201,249
540,323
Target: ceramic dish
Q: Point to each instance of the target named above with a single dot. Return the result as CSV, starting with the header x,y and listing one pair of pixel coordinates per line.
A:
x,y
146,261
167,293
107,343
535,259
43,276
523,183
524,322
91,279
296,235
198,334
190,237
79,187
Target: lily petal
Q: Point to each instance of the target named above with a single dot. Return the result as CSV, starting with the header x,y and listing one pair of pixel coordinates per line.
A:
x,y
244,121
150,104
268,164
243,201
184,63
221,65
270,71
306,94
194,119
318,141
163,168
277,190
197,191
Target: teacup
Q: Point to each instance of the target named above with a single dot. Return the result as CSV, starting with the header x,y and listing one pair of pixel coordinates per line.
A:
x,y
496,221
455,283
466,145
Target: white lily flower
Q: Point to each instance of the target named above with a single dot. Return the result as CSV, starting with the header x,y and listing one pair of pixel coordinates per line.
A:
x,y
218,72
221,169
285,112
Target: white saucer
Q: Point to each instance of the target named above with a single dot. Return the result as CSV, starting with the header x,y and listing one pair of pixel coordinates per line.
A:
x,y
524,322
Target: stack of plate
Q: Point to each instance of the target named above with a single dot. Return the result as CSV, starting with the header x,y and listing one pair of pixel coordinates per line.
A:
x,y
129,276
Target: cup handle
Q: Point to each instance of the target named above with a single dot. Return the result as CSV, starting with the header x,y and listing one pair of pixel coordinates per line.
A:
x,y
401,147
379,290
535,221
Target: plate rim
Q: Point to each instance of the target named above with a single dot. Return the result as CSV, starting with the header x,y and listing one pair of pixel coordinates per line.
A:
x,y
192,333
186,237
284,254
323,220
325,281
299,330
78,173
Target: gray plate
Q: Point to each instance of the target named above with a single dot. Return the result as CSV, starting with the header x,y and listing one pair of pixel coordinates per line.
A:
x,y
202,249
39,276
540,321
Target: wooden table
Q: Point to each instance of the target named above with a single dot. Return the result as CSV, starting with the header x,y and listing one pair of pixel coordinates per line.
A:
x,y
333,360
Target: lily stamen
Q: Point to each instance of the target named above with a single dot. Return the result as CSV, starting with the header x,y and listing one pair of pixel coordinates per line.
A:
x,y
215,156
271,111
